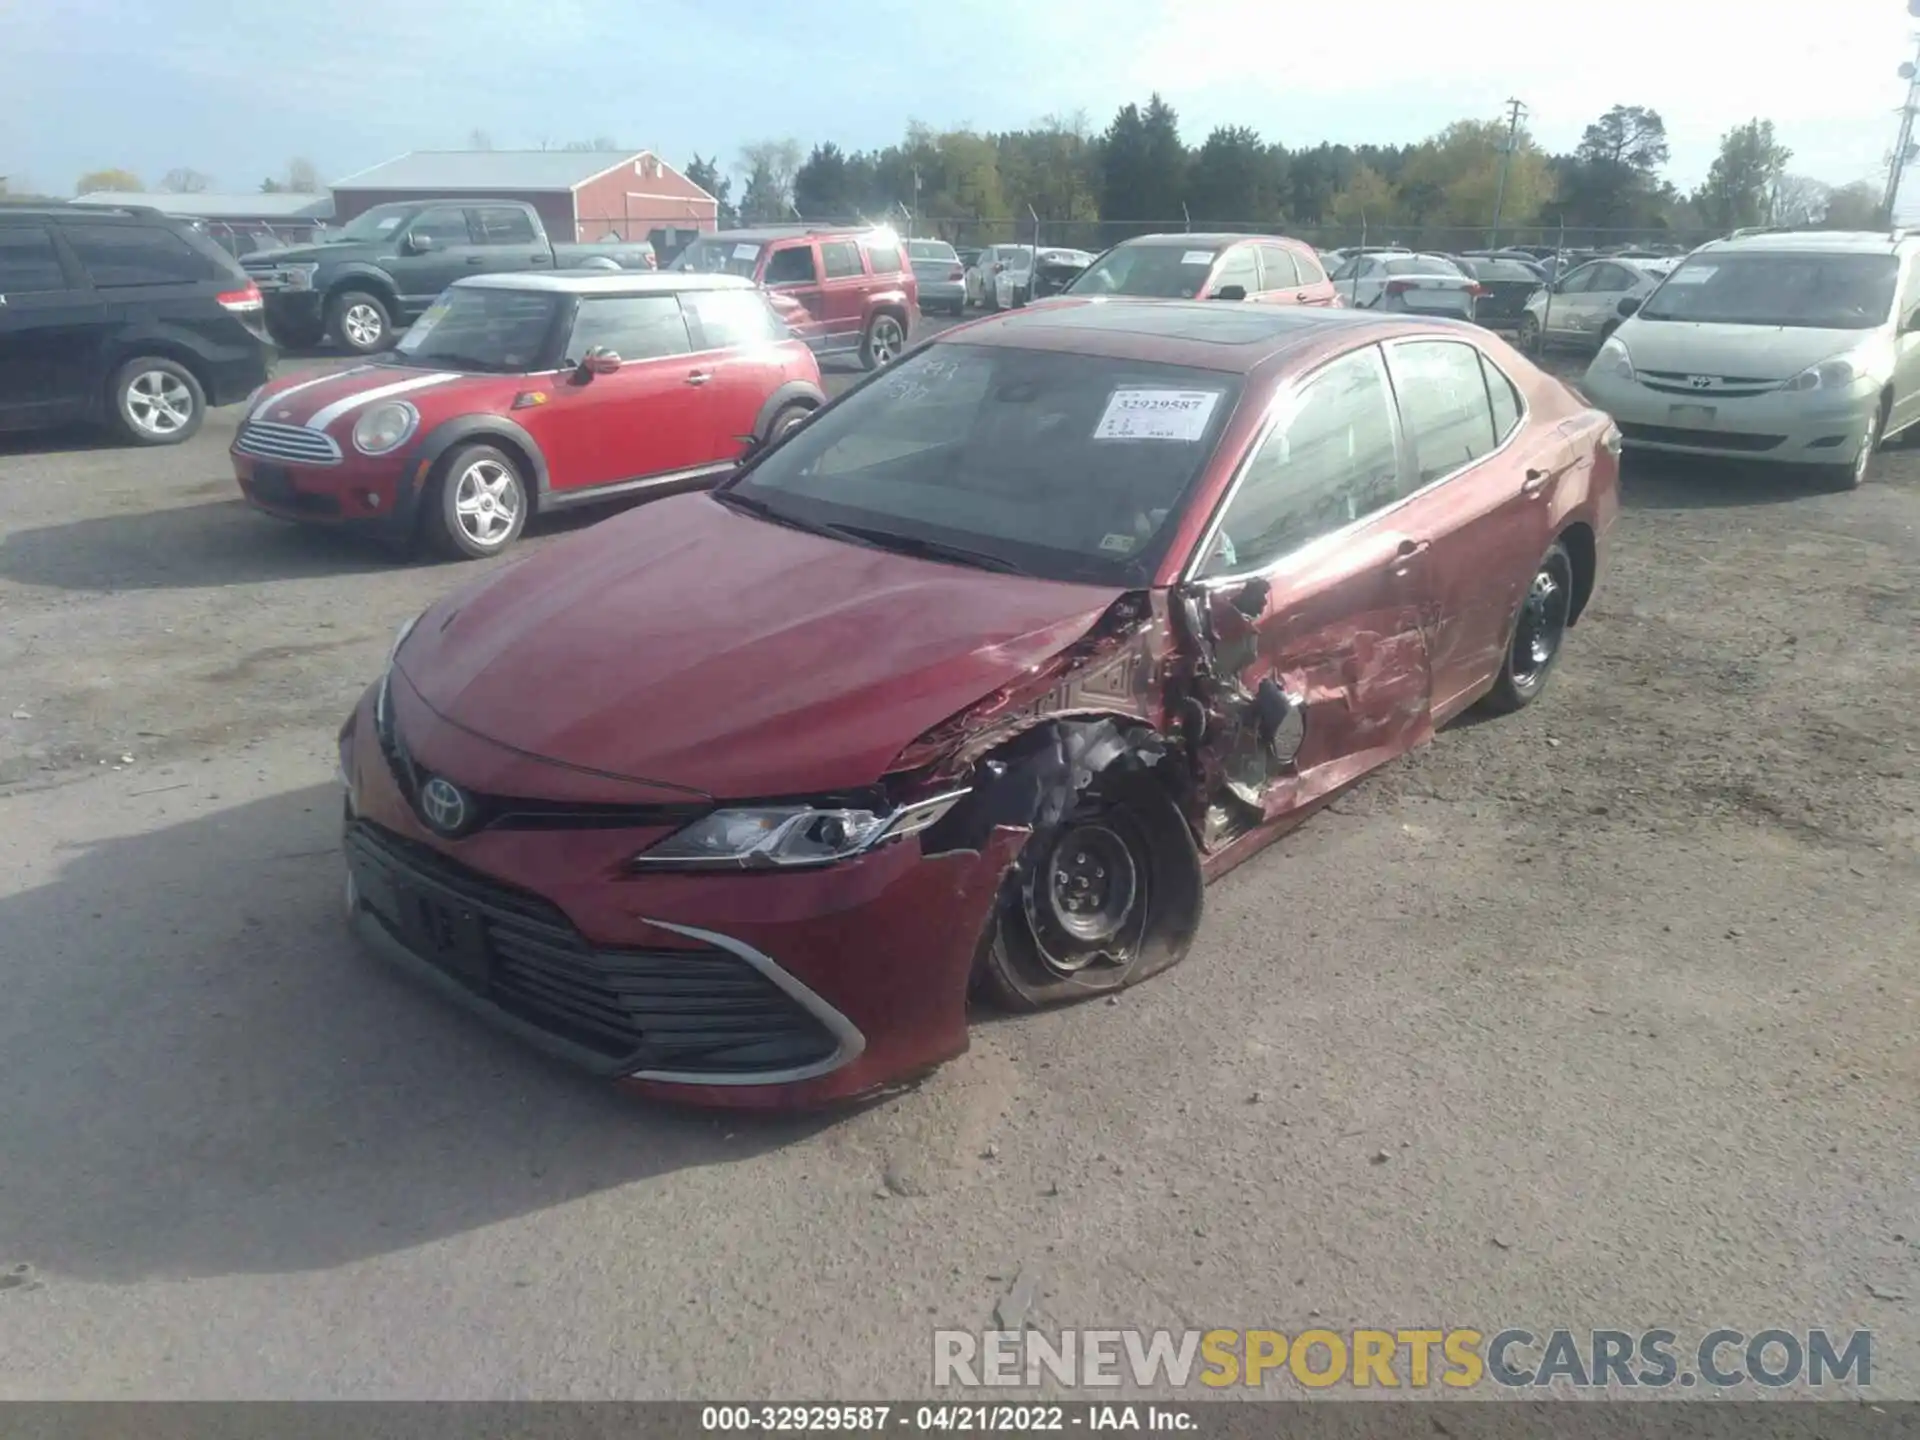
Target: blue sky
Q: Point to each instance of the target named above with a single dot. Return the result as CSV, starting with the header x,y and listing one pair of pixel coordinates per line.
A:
x,y
234,90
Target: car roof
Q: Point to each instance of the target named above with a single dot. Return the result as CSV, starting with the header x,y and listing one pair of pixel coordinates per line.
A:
x,y
761,235
1205,335
92,214
1828,242
1202,239
606,282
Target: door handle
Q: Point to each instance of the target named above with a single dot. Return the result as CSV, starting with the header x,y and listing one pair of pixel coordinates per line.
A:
x,y
699,377
1302,297
1535,482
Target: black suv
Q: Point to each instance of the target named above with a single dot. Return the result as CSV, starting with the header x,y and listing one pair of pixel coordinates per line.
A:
x,y
126,316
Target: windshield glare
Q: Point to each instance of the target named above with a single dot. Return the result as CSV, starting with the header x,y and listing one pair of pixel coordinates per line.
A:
x,y
1163,272
1803,291
373,224
496,331
719,257
1067,467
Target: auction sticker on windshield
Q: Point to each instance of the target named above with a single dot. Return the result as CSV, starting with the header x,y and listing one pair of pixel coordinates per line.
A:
x,y
1692,275
429,318
1197,257
1157,415
745,252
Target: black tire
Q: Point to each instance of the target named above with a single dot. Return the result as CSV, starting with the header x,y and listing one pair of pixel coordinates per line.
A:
x,y
1853,475
297,333
1029,961
886,337
1528,339
1537,635
500,502
784,420
155,401
1606,330
958,309
359,322
990,299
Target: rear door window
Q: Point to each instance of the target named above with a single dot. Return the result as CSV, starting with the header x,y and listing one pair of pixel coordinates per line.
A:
x,y
724,319
1277,268
1237,267
841,259
503,225
634,327
121,256
1443,404
791,266
29,265
884,257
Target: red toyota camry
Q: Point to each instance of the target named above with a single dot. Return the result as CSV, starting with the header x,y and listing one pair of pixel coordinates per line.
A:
x,y
519,394
967,684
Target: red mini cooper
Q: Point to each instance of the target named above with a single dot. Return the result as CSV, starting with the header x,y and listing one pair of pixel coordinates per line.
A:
x,y
967,684
519,394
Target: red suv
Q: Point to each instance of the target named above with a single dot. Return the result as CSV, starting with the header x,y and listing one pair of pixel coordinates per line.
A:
x,y
518,394
844,291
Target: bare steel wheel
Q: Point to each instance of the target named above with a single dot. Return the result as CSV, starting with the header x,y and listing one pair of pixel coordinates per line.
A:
x,y
1539,628
157,401
483,503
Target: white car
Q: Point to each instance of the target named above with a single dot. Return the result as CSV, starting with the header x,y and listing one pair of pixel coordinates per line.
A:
x,y
1582,308
1410,284
1013,286
993,261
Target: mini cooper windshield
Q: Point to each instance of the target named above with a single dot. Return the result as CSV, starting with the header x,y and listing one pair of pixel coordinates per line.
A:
x,y
1057,465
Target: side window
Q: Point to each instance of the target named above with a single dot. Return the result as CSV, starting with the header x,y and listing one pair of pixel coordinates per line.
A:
x,y
120,255
1443,404
1505,398
503,225
1309,267
1580,281
29,264
884,258
441,227
1237,267
1277,269
722,319
791,266
1329,462
840,258
634,327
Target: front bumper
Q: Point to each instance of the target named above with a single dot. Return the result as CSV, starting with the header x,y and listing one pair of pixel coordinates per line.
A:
x,y
861,969
380,496
1812,428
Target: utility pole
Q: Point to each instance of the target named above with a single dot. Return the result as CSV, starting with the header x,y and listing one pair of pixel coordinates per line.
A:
x,y
1909,72
1515,111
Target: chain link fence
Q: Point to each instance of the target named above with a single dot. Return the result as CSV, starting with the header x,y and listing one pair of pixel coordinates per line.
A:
x,y
1098,235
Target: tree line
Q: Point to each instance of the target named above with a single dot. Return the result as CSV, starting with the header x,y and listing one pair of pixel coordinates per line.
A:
x,y
1140,172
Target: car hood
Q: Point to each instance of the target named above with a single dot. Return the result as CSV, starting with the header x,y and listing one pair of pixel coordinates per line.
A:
x,y
1759,352
684,644
287,254
317,401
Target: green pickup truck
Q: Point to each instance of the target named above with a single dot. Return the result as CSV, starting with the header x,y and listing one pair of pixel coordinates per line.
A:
x,y
361,285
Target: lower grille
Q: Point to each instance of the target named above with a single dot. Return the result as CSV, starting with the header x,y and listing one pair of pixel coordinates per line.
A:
x,y
287,442
699,1013
1706,439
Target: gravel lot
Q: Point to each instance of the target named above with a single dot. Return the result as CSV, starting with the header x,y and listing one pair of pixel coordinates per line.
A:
x,y
1602,1015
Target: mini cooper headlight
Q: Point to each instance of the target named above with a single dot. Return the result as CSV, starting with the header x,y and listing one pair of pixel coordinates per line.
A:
x,y
772,836
385,427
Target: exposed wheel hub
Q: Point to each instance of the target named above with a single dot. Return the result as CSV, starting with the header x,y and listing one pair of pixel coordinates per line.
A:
x,y
1086,895
1543,623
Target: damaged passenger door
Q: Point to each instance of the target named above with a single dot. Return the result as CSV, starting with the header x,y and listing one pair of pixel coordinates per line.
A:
x,y
1311,604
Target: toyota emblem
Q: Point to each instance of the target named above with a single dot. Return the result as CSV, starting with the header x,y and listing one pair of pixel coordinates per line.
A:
x,y
1700,382
444,805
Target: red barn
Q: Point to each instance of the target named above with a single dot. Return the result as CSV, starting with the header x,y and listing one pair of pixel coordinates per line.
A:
x,y
579,194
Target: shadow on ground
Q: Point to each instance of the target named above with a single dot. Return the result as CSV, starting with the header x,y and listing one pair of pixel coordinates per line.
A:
x,y
206,1075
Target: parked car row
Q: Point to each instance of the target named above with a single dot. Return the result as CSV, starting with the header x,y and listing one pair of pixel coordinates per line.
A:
x,y
964,684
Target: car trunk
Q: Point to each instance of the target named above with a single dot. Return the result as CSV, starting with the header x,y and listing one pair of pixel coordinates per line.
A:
x,y
1503,302
938,272
1433,294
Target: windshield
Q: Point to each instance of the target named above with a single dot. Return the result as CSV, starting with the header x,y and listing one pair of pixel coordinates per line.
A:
x,y
494,331
1063,466
1503,270
1422,265
1163,272
719,256
374,224
1797,289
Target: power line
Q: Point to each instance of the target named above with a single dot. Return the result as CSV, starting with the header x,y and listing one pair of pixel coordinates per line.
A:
x,y
1910,72
1516,110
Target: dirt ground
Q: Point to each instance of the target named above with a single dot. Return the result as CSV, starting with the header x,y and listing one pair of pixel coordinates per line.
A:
x,y
1602,1015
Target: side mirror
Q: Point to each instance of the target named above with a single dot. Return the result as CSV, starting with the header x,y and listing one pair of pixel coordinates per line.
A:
x,y
418,244
1629,305
1229,292
1251,598
597,361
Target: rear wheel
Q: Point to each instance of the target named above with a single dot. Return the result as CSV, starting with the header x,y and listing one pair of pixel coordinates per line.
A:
x,y
481,504
1529,337
1539,629
789,416
157,401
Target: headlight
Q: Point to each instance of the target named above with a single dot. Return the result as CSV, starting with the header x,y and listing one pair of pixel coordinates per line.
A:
x,y
1613,359
1827,375
300,274
771,836
384,427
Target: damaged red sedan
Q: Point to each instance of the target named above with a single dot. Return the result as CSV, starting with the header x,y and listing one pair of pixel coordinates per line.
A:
x,y
965,685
